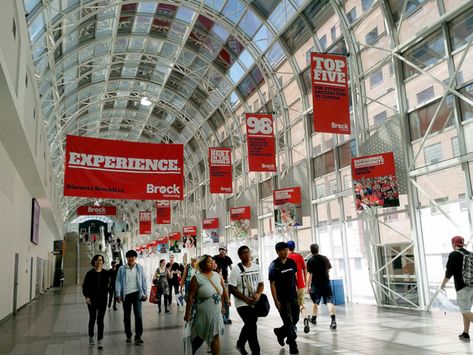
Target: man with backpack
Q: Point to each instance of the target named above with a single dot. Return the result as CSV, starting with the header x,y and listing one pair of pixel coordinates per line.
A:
x,y
460,266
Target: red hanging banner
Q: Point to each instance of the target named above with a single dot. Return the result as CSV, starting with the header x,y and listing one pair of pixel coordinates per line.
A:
x,y
239,213
96,211
220,170
163,212
210,223
145,222
375,182
260,142
287,207
329,75
189,239
105,168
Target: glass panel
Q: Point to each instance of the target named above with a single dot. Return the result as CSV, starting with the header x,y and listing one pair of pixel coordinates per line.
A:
x,y
461,29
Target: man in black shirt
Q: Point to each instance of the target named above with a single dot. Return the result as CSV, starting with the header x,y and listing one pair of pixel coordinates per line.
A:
x,y
282,277
464,293
318,284
224,262
113,276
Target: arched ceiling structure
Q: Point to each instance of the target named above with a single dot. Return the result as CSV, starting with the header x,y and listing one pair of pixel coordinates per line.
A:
x,y
195,61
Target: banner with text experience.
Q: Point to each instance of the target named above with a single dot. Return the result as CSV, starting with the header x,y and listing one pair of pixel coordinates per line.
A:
x,y
220,170
105,168
163,212
329,75
145,222
374,181
260,142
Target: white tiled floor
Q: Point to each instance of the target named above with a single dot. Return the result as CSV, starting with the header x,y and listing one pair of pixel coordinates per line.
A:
x,y
57,324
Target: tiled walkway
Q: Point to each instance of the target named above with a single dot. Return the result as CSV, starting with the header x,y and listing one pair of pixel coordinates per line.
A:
x,y
57,324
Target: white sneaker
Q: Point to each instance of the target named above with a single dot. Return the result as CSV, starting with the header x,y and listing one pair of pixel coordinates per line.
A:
x,y
100,344
91,341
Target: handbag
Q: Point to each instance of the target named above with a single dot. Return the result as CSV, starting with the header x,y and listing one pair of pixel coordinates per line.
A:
x,y
153,294
262,306
180,299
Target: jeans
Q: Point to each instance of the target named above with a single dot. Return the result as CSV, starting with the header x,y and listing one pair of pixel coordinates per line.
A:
x,y
175,286
289,313
132,299
111,297
96,313
249,331
226,316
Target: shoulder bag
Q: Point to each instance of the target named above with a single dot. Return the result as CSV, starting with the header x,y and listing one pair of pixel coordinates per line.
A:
x,y
262,306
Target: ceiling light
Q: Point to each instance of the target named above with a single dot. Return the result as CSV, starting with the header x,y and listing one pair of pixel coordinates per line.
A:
x,y
145,101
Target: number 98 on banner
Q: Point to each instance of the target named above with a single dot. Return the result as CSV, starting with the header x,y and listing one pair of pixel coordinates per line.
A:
x,y
259,125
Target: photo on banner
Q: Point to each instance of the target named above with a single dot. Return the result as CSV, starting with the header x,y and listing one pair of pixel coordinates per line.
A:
x,y
374,181
330,94
174,239
287,207
240,218
105,168
145,222
163,245
260,142
210,231
189,238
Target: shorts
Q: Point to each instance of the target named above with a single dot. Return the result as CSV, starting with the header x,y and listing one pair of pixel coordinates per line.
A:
x,y
465,299
321,292
300,297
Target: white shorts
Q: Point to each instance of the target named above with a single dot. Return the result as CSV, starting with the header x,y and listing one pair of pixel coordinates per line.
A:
x,y
465,299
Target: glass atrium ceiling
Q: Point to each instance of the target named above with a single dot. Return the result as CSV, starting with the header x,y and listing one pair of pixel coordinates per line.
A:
x,y
195,61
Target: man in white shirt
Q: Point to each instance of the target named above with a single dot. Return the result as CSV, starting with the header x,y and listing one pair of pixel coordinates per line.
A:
x,y
246,284
131,289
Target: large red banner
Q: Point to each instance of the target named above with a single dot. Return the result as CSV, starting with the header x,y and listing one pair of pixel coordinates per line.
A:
x,y
96,211
260,141
329,75
374,181
210,223
145,222
239,213
163,212
220,169
106,168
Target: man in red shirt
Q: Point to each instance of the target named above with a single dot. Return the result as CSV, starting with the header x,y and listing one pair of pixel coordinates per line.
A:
x,y
300,278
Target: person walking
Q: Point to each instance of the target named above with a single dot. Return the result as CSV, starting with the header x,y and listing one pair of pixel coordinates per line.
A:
x,y
224,262
131,289
464,292
318,284
207,291
282,277
301,277
246,284
95,290
162,286
188,273
111,290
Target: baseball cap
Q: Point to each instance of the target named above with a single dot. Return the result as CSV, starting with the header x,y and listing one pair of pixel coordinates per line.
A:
x,y
291,244
458,241
222,248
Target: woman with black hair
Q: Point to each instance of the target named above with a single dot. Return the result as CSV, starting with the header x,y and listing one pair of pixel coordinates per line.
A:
x,y
95,290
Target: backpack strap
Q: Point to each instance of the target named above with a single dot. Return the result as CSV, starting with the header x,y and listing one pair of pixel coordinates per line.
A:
x,y
242,273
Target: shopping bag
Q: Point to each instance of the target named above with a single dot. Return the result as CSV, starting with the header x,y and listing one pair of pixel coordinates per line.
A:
x,y
152,294
180,299
186,338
